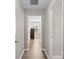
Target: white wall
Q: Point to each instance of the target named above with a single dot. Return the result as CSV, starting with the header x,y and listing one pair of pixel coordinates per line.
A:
x,y
33,13
47,24
47,33
19,29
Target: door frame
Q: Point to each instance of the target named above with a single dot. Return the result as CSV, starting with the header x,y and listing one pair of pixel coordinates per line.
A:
x,y
28,28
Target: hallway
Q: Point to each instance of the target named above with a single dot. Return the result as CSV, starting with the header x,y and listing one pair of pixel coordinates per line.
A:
x,y
35,50
45,18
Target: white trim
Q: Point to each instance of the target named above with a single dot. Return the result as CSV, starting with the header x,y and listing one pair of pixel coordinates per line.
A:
x,y
45,53
52,3
57,57
22,53
26,49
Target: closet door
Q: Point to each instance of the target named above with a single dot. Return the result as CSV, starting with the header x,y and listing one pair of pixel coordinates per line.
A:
x,y
58,30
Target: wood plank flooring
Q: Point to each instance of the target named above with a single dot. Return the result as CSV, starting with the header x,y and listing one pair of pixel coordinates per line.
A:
x,y
35,51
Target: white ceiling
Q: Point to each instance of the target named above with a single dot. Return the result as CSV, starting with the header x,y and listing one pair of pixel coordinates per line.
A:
x,y
41,4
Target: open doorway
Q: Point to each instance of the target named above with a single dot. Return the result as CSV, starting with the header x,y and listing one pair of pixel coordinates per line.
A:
x,y
34,29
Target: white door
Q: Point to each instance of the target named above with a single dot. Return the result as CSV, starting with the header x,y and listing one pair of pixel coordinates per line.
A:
x,y
56,31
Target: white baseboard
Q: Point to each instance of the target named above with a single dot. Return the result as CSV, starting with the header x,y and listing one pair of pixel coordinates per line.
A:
x,y
22,53
53,57
28,50
45,53
57,57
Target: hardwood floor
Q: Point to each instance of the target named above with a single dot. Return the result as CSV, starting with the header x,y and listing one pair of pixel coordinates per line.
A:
x,y
35,51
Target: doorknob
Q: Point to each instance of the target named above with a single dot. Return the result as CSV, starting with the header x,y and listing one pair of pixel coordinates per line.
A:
x,y
16,41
